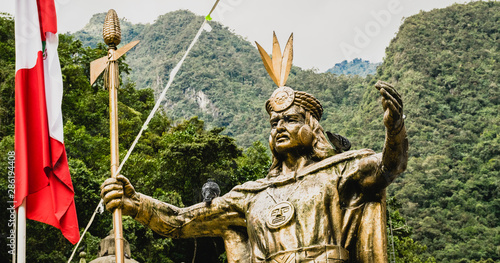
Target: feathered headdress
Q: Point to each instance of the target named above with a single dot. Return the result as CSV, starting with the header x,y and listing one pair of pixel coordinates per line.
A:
x,y
278,68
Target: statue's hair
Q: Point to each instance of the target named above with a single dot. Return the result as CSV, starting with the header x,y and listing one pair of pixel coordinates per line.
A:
x,y
320,150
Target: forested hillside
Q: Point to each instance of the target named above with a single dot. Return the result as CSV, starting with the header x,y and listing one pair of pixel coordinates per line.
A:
x,y
446,64
91,34
223,81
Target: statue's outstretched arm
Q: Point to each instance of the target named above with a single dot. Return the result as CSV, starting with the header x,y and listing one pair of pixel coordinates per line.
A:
x,y
384,168
168,220
395,153
198,220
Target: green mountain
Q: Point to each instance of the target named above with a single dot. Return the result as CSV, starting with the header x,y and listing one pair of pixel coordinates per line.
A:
x,y
446,65
91,33
222,81
355,67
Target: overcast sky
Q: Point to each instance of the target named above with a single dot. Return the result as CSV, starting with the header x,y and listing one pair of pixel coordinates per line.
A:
x,y
325,31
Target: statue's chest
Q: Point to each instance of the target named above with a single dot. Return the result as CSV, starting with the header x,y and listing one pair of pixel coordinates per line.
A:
x,y
280,206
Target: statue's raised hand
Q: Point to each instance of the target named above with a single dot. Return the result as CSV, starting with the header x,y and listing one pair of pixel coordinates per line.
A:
x,y
119,193
393,107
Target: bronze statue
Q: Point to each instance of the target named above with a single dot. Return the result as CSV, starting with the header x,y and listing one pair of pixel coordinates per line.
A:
x,y
315,205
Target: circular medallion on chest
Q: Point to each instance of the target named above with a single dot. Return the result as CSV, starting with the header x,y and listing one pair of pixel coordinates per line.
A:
x,y
280,214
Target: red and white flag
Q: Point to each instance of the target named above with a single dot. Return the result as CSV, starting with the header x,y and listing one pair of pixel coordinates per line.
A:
x,y
42,173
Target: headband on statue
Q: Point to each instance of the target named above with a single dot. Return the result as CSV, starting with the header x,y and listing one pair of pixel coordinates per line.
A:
x,y
278,68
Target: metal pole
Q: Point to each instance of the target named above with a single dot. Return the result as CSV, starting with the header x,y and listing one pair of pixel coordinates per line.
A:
x,y
14,228
21,233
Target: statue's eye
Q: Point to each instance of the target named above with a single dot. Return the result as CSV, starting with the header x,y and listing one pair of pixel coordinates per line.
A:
x,y
291,119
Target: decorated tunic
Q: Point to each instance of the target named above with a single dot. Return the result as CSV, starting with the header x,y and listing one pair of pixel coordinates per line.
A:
x,y
321,213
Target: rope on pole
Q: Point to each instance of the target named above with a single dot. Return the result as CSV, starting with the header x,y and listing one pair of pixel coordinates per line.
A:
x,y
86,228
393,254
173,73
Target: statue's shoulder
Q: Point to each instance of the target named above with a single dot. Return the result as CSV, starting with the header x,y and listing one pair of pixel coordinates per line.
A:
x,y
336,159
253,186
347,156
262,184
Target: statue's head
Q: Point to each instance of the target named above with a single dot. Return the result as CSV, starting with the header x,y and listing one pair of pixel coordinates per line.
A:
x,y
294,117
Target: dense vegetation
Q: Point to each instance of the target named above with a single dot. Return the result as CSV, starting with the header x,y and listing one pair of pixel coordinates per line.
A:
x,y
355,67
222,81
447,65
445,62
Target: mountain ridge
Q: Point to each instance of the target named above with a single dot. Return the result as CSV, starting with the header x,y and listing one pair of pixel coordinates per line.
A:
x,y
355,67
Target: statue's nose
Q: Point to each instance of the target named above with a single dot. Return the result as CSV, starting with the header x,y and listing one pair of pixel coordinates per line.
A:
x,y
281,125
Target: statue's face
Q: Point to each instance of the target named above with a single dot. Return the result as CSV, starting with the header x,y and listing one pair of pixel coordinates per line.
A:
x,y
285,127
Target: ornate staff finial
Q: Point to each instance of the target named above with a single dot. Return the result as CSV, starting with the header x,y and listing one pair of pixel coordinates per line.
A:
x,y
112,37
111,30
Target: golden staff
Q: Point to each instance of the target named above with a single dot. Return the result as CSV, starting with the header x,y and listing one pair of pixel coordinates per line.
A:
x,y
112,37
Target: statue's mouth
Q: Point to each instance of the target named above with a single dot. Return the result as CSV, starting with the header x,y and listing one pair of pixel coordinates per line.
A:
x,y
282,138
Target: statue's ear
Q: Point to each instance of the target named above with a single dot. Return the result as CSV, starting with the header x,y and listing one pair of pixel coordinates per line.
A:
x,y
306,135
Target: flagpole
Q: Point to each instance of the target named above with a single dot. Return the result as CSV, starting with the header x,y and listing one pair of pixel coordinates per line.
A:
x,y
21,233
14,255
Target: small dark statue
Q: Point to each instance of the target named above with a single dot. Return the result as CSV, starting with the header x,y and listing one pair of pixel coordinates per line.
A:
x,y
209,191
